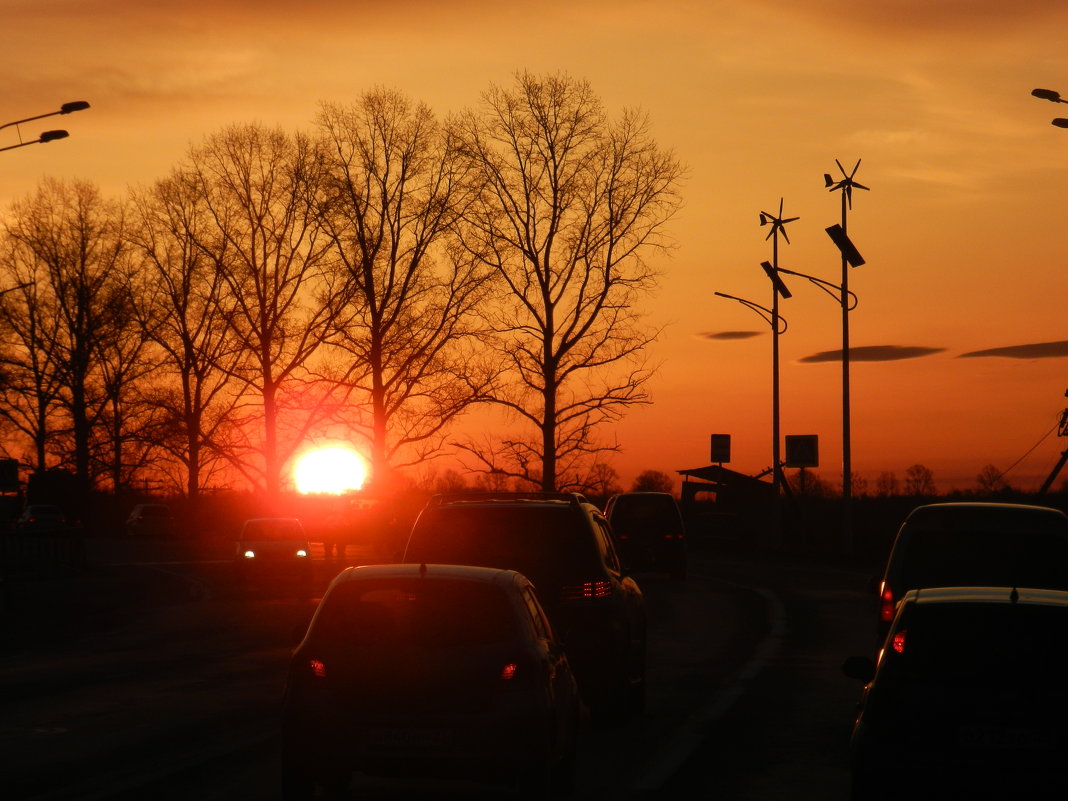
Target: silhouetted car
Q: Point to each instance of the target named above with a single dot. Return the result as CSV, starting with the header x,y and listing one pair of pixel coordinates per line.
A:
x,y
649,531
150,520
967,699
429,670
42,519
975,544
563,544
273,548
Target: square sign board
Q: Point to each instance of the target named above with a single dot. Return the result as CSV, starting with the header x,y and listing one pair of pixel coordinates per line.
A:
x,y
721,448
803,450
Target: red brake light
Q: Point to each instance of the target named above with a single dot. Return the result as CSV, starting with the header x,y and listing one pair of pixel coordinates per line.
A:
x,y
318,668
508,671
886,604
898,642
585,591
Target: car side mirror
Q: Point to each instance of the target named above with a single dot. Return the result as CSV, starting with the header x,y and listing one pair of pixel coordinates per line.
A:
x,y
861,668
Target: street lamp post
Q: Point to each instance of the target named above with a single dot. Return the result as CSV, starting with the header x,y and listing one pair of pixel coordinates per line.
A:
x,y
1053,97
47,136
850,258
778,326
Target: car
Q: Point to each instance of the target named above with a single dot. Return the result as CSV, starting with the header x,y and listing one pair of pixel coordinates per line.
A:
x,y
444,671
649,531
272,549
966,698
150,520
973,544
41,519
563,544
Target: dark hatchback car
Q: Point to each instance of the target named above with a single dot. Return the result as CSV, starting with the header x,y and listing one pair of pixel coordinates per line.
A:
x,y
967,700
563,544
975,544
437,671
649,531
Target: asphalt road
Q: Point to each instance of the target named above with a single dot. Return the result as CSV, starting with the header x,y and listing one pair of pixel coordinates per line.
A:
x,y
146,677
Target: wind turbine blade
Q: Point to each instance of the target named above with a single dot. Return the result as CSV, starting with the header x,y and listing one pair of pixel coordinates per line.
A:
x,y
855,168
844,173
861,186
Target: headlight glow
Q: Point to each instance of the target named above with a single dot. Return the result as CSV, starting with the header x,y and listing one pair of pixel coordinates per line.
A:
x,y
250,554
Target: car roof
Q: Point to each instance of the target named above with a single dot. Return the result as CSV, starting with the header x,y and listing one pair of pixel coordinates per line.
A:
x,y
986,595
951,507
485,575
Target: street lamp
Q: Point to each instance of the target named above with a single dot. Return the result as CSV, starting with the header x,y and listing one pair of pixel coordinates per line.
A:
x,y
1052,97
47,136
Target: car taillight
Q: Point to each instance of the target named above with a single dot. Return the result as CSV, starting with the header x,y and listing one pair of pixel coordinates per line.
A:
x,y
586,591
898,641
886,604
318,668
508,671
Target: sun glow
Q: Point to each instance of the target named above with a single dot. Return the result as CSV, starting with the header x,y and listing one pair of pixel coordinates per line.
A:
x,y
330,470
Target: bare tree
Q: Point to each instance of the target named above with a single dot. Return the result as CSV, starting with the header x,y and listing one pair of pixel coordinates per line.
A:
x,y
569,204
28,321
653,481
74,238
991,480
180,307
886,484
919,480
406,327
260,189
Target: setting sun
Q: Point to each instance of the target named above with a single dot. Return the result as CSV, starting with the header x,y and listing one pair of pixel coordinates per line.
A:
x,y
331,470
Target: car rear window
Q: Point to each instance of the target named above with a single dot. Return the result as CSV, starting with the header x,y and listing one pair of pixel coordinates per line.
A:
x,y
548,544
430,612
961,556
1006,643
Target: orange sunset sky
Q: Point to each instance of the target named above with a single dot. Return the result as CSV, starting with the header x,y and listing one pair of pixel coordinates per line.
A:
x,y
963,229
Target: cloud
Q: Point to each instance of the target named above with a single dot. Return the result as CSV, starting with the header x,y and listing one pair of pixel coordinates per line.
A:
x,y
1040,350
873,353
730,334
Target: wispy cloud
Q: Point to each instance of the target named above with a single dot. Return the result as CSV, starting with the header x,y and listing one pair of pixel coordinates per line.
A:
x,y
729,334
873,353
1039,350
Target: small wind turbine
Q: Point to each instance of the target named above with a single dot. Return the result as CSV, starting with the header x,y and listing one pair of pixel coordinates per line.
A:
x,y
846,185
778,224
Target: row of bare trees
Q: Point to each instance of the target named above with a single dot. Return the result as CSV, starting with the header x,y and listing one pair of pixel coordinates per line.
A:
x,y
369,281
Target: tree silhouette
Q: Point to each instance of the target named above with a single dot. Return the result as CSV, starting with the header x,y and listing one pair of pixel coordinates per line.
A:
x,y
568,207
406,295
653,481
919,481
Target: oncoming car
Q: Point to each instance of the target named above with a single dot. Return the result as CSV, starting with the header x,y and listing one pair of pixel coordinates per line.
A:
x,y
273,548
438,671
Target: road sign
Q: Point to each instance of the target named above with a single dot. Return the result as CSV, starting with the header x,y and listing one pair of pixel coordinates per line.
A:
x,y
721,448
803,450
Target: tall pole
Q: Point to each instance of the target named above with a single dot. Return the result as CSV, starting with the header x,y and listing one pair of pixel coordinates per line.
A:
x,y
850,258
847,450
778,224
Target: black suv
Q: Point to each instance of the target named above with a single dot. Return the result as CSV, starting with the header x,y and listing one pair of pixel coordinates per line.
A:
x,y
564,545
